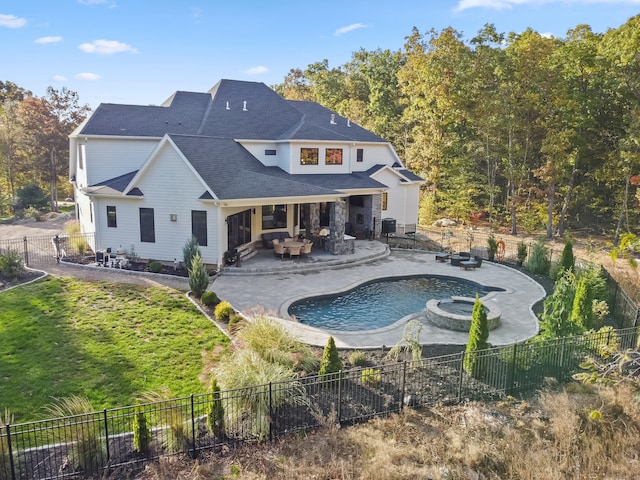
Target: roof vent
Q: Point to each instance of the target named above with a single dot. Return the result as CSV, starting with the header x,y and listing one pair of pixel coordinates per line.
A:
x,y
244,106
333,119
228,106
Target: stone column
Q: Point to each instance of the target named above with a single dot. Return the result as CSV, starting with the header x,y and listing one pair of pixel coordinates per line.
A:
x,y
337,217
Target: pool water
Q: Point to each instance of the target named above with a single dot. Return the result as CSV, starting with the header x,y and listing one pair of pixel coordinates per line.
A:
x,y
380,303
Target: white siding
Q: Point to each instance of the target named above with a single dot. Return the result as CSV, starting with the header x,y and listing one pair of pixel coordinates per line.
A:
x,y
258,149
373,154
110,158
169,187
402,199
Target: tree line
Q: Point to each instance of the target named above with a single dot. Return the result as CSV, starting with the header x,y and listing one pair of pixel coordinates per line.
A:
x,y
34,144
530,131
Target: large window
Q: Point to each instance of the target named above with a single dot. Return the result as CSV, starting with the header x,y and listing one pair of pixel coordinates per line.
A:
x,y
199,226
111,217
274,216
385,199
308,156
147,225
333,156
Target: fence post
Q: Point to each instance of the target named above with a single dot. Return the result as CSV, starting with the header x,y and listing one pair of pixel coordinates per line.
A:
x,y
26,251
193,428
512,371
106,433
11,464
404,382
340,397
270,411
461,376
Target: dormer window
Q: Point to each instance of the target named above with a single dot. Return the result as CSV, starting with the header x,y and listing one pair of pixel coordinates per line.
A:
x,y
308,156
333,156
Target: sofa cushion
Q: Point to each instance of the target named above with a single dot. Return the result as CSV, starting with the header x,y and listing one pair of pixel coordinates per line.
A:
x,y
268,237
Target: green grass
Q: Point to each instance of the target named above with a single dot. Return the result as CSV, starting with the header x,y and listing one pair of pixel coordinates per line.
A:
x,y
108,342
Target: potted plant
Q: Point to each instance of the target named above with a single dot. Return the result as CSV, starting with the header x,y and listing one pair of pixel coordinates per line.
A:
x,y
522,253
492,247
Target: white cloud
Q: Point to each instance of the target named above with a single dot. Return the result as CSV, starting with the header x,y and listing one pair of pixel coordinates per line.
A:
x,y
256,70
349,28
12,21
59,78
45,40
508,4
87,76
107,47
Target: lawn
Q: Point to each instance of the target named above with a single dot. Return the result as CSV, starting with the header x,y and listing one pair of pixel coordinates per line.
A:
x,y
108,342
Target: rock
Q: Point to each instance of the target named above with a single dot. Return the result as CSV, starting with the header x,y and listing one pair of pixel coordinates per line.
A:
x,y
445,222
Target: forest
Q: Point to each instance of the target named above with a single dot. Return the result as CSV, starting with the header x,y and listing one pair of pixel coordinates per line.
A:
x,y
526,131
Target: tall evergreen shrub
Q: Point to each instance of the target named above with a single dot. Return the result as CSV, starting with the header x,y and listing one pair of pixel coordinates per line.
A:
x,y
330,362
539,261
556,318
198,276
190,250
568,259
215,411
141,432
478,335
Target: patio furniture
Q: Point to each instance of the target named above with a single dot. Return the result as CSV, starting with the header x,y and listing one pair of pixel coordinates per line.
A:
x,y
306,249
468,264
294,250
268,237
279,249
442,257
456,259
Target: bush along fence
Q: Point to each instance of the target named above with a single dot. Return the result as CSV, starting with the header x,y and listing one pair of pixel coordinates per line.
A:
x,y
49,249
93,443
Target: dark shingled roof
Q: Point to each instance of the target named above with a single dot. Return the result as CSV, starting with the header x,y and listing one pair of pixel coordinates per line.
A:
x,y
231,172
231,109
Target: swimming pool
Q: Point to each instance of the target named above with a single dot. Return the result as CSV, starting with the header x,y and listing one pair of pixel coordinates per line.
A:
x,y
380,303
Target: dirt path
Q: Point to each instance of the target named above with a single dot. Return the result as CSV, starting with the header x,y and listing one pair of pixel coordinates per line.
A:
x,y
33,228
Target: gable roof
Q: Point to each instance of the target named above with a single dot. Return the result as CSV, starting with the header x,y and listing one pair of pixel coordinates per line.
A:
x,y
231,109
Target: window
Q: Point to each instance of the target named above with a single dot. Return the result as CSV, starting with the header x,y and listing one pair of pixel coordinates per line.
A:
x,y
308,156
274,216
269,152
333,156
385,198
359,155
81,152
111,217
147,226
199,226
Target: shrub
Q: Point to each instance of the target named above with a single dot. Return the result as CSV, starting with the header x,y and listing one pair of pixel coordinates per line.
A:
x,y
141,432
478,335
330,362
80,244
492,247
154,266
32,213
11,265
32,195
189,251
81,433
223,311
371,376
172,414
198,276
567,260
215,411
273,342
556,318
247,372
539,261
209,298
235,321
357,358
409,343
72,227
522,252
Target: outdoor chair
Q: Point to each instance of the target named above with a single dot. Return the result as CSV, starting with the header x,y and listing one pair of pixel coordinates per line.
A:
x,y
279,249
306,249
294,251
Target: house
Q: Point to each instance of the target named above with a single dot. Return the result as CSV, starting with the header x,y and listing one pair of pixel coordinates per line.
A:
x,y
227,166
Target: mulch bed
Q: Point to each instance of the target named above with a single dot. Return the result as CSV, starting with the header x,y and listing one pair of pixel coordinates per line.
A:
x,y
27,276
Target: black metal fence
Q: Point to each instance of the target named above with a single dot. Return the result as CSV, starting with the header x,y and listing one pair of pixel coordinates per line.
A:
x,y
47,249
93,443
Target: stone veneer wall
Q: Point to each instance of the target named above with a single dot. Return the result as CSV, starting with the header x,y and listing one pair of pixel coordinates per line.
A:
x,y
336,242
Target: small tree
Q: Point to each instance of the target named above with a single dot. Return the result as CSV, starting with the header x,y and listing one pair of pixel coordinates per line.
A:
x,y
539,261
522,252
582,310
215,411
141,432
32,195
556,318
567,260
190,250
478,335
492,247
330,362
198,276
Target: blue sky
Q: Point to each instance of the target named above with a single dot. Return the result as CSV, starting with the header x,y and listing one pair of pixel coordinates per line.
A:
x,y
141,51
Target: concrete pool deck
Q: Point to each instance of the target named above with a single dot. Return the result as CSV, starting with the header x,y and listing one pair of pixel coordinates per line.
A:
x,y
268,284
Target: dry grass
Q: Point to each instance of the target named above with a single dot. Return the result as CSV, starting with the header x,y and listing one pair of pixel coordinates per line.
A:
x,y
555,436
